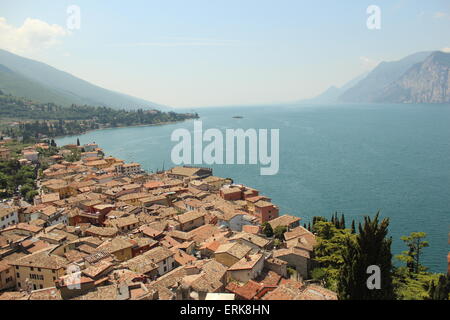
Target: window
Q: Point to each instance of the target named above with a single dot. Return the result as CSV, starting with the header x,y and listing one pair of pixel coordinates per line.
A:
x,y
41,286
39,269
32,269
18,275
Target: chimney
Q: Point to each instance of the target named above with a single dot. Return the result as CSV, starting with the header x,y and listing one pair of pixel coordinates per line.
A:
x,y
123,292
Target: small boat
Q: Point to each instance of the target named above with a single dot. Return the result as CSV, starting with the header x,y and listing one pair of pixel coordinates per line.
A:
x,y
237,117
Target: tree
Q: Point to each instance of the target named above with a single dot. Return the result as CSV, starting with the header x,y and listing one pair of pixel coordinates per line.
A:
x,y
353,227
342,222
267,229
328,253
78,142
279,232
415,244
370,248
441,290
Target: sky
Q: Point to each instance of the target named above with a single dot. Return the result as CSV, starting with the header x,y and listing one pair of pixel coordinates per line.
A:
x,y
196,53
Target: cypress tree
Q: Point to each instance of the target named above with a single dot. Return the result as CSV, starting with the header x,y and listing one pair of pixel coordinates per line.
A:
x,y
371,248
441,290
78,142
353,227
342,222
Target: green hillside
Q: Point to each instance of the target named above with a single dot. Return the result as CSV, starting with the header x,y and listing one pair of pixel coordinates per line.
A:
x,y
41,82
17,85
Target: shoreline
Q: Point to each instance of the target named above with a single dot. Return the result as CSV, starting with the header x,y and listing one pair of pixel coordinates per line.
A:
x,y
118,127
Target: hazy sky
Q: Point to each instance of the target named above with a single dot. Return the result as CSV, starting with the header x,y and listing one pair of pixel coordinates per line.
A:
x,y
195,53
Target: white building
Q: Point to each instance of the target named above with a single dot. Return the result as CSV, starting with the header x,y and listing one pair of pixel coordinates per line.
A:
x,y
236,220
32,156
163,258
8,216
129,168
90,147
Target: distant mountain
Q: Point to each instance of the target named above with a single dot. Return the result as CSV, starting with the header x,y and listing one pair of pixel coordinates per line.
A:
x,y
18,85
38,81
425,82
368,90
332,94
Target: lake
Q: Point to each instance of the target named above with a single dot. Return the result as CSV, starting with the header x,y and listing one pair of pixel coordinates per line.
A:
x,y
353,159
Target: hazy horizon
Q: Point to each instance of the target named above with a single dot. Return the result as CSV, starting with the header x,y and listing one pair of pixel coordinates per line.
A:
x,y
226,53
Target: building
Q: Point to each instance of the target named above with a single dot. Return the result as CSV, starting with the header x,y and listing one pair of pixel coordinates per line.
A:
x,y
246,269
253,241
163,258
5,153
62,188
124,224
38,270
90,147
230,253
8,217
230,193
237,220
32,156
265,211
97,164
129,168
285,220
190,220
296,258
7,276
189,173
121,248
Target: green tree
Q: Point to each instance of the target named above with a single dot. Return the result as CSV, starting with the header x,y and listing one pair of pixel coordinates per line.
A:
x,y
441,290
353,227
369,248
279,232
415,243
342,222
328,253
267,229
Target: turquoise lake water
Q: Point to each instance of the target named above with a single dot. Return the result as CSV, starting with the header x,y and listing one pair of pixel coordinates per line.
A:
x,y
354,159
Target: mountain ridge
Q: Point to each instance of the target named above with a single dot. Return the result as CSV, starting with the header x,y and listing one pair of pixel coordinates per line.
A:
x,y
422,77
425,82
64,87
381,76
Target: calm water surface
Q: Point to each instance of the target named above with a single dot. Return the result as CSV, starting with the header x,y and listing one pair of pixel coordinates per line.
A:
x,y
351,159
